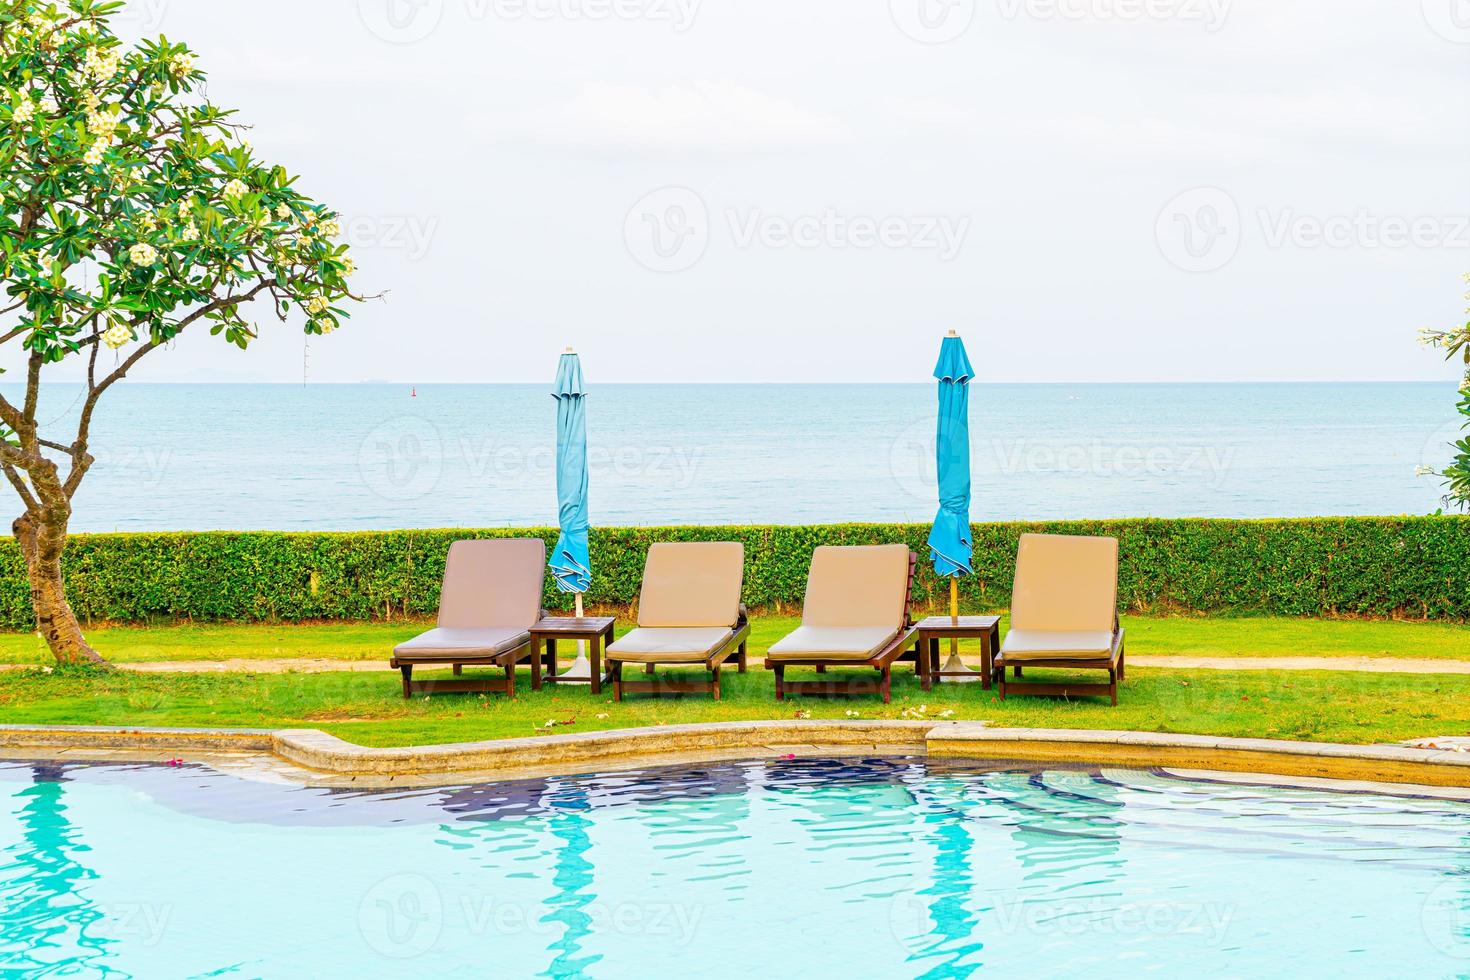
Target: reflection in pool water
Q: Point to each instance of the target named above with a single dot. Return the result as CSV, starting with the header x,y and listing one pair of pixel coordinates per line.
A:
x,y
855,868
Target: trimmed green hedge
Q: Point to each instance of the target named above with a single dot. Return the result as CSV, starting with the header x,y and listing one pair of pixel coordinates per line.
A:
x,y
1410,567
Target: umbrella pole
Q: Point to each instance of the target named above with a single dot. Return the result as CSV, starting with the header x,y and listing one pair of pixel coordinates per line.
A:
x,y
954,613
580,667
955,664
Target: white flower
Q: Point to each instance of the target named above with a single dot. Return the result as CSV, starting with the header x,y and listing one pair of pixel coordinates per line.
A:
x,y
181,64
116,335
23,112
190,233
148,222
103,124
101,65
853,714
316,305
1428,337
1422,470
283,212
235,189
46,670
93,156
348,266
324,326
143,254
329,228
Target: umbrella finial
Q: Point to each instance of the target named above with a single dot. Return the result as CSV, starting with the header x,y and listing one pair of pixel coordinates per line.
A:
x,y
569,350
953,332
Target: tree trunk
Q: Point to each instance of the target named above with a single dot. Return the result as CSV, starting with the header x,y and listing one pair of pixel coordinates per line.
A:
x,y
42,539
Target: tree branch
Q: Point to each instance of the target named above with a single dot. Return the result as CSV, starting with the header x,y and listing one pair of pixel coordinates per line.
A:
x,y
81,461
27,498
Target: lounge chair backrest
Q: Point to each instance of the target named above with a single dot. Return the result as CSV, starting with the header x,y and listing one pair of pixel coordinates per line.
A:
x,y
688,584
493,583
1065,583
864,585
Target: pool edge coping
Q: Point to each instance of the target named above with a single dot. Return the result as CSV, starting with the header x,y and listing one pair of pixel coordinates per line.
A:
x,y
316,752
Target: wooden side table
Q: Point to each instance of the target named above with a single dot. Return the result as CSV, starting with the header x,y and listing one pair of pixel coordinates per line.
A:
x,y
597,631
984,628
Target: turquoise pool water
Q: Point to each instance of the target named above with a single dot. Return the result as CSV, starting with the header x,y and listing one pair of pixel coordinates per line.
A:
x,y
828,868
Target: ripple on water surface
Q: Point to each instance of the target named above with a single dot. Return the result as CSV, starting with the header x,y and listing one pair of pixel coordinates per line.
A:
x,y
847,867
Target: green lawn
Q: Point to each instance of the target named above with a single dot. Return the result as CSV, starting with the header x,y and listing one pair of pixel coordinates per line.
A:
x,y
367,707
1193,636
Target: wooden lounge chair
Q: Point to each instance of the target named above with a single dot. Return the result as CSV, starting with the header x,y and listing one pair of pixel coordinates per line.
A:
x,y
856,614
491,598
1064,614
689,615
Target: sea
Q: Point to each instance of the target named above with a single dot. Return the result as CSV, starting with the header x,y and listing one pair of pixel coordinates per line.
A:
x,y
342,457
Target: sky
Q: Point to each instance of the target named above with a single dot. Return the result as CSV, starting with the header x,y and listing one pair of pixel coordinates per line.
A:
x,y
769,190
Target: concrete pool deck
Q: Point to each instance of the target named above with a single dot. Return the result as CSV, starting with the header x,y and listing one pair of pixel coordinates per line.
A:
x,y
314,757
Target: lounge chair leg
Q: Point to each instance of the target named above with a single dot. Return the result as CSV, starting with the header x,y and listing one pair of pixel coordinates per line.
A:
x,y
742,657
407,671
1113,686
1122,670
780,671
1001,682
821,668
715,683
887,684
1018,670
510,680
648,669
458,669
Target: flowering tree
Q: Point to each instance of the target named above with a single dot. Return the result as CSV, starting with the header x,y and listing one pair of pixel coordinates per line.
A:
x,y
1455,341
131,209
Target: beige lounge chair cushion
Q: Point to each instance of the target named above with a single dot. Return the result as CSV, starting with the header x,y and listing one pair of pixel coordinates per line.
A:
x,y
1065,583
857,586
656,645
838,644
494,583
692,584
1057,645
447,644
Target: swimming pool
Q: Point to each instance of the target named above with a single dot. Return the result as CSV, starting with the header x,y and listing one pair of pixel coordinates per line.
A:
x,y
845,868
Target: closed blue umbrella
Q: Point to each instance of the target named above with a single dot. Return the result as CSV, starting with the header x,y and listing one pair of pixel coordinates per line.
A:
x,y
570,563
950,542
